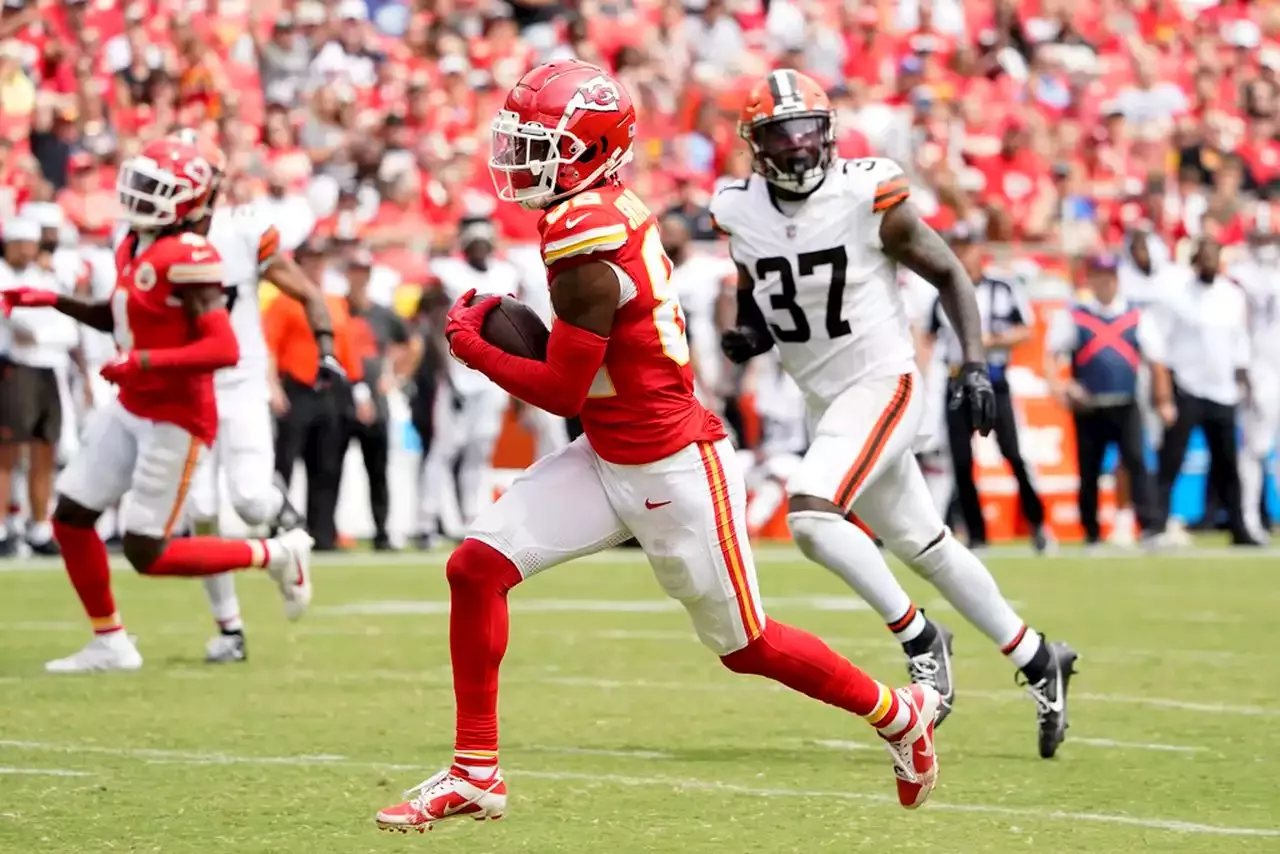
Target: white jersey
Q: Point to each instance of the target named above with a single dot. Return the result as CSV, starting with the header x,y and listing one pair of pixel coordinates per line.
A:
x,y
822,281
1261,283
247,242
457,277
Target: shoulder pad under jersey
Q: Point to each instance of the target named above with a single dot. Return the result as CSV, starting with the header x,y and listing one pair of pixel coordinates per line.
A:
x,y
187,259
586,224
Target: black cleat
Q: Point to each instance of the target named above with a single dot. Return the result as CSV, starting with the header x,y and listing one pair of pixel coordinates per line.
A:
x,y
288,518
226,648
1050,694
932,667
382,543
49,548
9,546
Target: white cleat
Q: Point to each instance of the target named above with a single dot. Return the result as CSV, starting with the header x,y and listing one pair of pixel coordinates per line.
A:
x,y
114,651
294,575
225,649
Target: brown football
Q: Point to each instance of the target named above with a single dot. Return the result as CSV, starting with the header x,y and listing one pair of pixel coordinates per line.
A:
x,y
515,328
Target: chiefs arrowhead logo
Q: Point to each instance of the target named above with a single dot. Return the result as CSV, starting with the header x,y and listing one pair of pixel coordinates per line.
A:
x,y
599,94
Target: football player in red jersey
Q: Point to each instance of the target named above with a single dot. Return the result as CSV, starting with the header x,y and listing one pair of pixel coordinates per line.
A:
x,y
653,463
173,332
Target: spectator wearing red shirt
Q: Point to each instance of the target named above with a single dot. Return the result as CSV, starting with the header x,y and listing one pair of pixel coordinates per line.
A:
x,y
1018,192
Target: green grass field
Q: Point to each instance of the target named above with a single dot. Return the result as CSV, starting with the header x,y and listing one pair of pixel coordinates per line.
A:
x,y
622,735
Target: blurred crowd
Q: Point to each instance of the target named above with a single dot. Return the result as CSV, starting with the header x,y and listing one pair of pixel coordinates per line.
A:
x,y
1056,121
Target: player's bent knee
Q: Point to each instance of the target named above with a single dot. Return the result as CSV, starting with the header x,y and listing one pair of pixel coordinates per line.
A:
x,y
929,557
804,503
73,514
807,527
754,658
476,564
142,551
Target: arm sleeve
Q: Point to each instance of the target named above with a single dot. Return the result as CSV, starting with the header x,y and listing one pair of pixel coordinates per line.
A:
x,y
1061,337
560,384
1021,313
876,185
1150,339
1241,351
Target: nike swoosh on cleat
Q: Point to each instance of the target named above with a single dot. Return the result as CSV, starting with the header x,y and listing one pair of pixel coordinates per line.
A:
x,y
654,505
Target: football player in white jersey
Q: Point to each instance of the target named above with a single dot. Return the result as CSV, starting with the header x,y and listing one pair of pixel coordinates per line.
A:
x,y
818,241
1258,272
244,453
469,407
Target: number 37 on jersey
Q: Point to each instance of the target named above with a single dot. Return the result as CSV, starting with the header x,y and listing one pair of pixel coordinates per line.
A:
x,y
613,225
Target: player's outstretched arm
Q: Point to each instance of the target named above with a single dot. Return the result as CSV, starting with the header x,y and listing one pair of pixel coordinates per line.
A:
x,y
912,243
908,240
585,299
95,314
750,334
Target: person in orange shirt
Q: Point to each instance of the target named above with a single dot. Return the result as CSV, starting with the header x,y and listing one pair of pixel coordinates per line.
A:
x,y
310,414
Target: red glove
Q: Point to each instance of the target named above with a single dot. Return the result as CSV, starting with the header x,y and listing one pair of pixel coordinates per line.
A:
x,y
124,368
26,298
463,329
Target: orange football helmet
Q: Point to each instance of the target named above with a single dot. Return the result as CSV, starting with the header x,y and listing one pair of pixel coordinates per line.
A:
x,y
789,124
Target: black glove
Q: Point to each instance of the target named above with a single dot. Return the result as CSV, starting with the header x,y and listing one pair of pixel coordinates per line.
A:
x,y
974,392
742,343
330,374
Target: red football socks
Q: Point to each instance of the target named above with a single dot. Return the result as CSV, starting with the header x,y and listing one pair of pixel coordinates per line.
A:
x,y
804,663
85,557
196,556
479,578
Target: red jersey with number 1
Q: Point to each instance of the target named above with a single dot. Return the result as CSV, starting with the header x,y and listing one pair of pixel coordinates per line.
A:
x,y
641,407
147,307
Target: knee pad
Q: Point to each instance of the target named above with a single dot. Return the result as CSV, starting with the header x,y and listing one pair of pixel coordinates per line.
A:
x,y
254,510
807,527
475,564
934,555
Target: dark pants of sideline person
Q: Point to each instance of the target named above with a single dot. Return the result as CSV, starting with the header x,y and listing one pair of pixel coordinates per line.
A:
x,y
960,434
313,429
1218,423
1095,430
375,442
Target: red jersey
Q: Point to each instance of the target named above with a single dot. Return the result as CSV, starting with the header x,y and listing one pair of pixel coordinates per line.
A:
x,y
149,315
641,407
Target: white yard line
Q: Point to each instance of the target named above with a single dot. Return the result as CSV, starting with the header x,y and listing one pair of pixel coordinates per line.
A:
x,y
42,772
1110,744
1106,743
678,783
526,677
764,554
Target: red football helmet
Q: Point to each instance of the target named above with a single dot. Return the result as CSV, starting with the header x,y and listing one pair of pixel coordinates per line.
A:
x,y
563,127
210,151
168,182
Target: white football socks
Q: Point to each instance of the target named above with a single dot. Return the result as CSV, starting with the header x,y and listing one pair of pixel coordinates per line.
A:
x,y
843,548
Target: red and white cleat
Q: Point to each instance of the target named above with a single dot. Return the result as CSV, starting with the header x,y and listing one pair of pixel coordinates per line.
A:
x,y
446,796
914,762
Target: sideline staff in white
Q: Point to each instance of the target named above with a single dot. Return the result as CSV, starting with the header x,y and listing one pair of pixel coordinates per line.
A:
x,y
1204,321
1259,274
469,407
30,400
